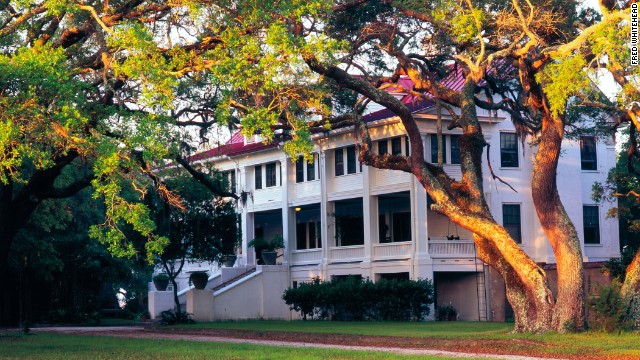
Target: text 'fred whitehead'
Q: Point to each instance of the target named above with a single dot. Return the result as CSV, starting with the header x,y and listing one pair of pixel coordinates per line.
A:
x,y
634,34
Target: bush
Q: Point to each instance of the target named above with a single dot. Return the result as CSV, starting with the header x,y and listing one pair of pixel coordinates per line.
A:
x,y
610,309
447,313
169,317
357,299
161,277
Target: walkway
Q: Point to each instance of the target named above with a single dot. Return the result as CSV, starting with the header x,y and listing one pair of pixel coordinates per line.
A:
x,y
140,333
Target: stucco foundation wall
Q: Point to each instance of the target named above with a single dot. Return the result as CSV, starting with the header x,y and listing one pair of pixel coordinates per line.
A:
x,y
500,309
160,301
460,290
258,297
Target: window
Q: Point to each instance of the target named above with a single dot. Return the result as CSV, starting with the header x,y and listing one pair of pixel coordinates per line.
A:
x,y
351,160
349,222
308,235
300,169
228,180
508,150
588,153
407,149
511,221
308,227
311,168
382,147
258,176
591,224
396,146
339,163
401,226
434,149
455,149
232,181
394,217
401,276
271,174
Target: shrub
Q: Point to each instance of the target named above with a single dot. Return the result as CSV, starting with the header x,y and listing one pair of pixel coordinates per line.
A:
x,y
169,317
610,309
161,276
447,313
353,298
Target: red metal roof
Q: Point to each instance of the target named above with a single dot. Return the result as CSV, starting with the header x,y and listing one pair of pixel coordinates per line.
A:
x,y
235,146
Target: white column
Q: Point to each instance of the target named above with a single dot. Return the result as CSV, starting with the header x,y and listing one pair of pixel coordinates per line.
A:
x,y
369,223
248,256
287,217
422,262
419,215
324,211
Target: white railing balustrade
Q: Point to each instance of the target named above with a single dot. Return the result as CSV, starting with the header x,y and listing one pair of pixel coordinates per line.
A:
x,y
392,251
346,253
306,257
451,248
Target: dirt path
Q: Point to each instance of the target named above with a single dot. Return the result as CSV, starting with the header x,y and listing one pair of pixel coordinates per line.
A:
x,y
410,346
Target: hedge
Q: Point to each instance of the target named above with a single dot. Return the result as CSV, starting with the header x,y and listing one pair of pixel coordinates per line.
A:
x,y
357,299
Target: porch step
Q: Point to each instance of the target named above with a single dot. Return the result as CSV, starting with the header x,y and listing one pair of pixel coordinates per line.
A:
x,y
249,271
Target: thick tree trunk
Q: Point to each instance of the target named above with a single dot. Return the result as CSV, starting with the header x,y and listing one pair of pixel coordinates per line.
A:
x,y
569,309
631,289
631,283
12,218
531,307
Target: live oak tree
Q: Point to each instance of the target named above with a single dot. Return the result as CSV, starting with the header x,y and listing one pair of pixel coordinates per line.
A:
x,y
98,86
113,83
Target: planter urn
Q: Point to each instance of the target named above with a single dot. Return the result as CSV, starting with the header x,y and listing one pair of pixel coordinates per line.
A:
x,y
229,260
269,257
199,280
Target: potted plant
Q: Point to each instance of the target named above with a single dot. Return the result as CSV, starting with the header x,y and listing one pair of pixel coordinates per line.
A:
x,y
199,279
447,313
267,251
229,260
161,281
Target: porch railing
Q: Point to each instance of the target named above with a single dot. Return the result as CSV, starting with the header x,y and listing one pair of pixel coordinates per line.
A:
x,y
391,251
306,257
451,248
346,253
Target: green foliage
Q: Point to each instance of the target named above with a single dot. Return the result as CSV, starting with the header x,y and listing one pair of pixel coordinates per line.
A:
x,y
169,317
261,244
564,78
356,299
610,309
446,313
161,276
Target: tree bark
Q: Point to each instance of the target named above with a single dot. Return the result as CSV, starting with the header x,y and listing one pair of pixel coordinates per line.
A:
x,y
527,318
631,283
569,309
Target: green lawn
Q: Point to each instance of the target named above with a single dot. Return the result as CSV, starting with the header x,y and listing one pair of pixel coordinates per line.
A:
x,y
51,346
453,329
627,343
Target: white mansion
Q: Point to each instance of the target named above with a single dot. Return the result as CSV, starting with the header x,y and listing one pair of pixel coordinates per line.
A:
x,y
340,218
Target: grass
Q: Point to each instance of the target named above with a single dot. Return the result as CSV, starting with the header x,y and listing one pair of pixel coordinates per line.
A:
x,y
592,342
437,329
52,346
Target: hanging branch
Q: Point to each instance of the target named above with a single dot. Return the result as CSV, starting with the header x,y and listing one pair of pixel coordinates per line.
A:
x,y
493,175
